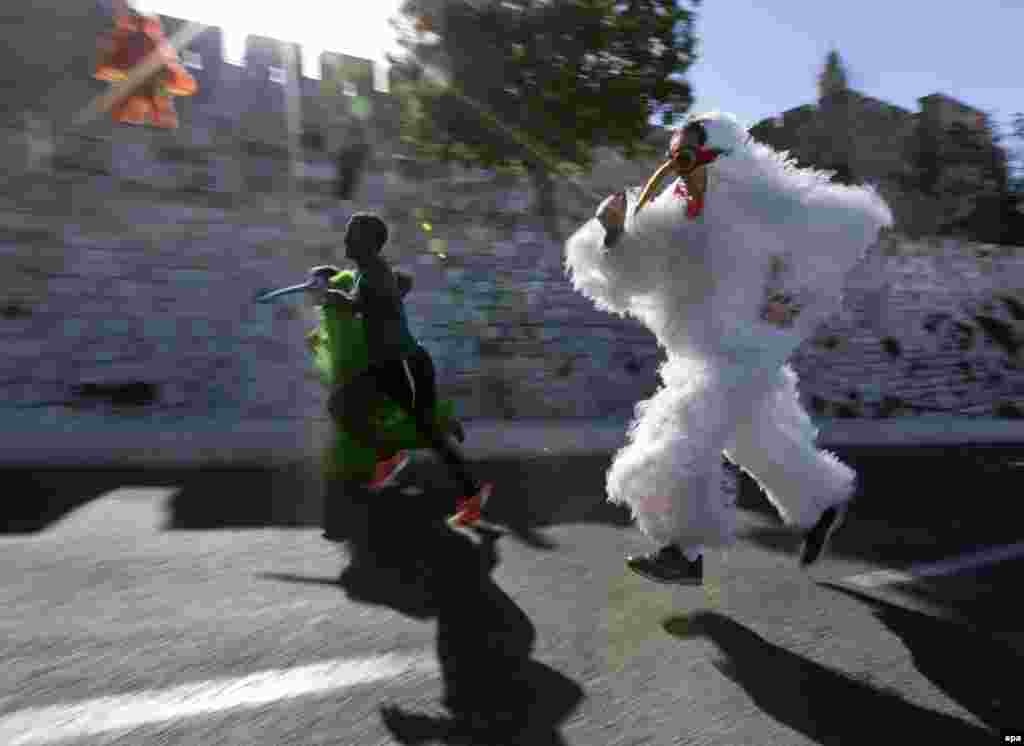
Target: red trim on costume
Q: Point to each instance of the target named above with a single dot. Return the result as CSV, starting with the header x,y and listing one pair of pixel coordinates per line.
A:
x,y
694,207
705,156
694,204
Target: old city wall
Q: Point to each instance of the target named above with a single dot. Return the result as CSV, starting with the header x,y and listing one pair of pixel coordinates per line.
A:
x,y
130,258
108,287
234,134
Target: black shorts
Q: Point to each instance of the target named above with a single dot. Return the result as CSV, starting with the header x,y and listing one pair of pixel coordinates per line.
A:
x,y
410,382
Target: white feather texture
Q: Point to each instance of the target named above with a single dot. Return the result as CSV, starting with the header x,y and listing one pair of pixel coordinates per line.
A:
x,y
699,285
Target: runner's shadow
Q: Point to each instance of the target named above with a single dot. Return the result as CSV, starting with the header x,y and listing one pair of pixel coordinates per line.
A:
x,y
826,706
975,669
927,521
492,686
405,558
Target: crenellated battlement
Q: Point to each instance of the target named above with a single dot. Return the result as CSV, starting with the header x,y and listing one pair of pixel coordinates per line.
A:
x,y
233,134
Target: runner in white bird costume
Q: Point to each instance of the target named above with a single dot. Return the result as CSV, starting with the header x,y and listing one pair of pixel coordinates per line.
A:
x,y
731,267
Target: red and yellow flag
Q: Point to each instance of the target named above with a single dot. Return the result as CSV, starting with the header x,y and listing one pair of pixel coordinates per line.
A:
x,y
136,40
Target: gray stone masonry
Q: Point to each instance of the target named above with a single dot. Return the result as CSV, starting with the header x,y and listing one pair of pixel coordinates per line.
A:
x,y
107,287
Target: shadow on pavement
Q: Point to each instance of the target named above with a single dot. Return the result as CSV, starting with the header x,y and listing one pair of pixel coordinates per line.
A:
x,y
408,560
242,498
35,498
915,504
530,494
825,706
534,492
975,669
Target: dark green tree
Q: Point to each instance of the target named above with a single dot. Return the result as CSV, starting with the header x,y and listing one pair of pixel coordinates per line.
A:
x,y
1014,212
538,84
832,79
977,180
1016,153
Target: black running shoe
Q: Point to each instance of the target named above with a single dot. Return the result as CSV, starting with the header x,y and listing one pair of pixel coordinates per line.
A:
x,y
668,565
816,540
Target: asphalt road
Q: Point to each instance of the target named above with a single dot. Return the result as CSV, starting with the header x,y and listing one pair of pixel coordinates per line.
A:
x,y
122,623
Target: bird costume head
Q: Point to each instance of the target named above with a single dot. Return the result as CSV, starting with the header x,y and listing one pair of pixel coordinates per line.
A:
x,y
699,143
703,251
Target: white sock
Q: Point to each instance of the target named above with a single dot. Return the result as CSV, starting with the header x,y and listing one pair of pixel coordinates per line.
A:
x,y
694,553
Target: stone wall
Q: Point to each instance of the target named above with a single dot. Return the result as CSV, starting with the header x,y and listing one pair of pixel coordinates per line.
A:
x,y
233,138
929,326
107,286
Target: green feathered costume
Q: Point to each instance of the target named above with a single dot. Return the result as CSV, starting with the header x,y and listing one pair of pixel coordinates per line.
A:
x,y
340,353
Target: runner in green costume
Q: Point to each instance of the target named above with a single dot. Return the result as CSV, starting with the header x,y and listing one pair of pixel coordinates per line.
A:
x,y
383,393
340,353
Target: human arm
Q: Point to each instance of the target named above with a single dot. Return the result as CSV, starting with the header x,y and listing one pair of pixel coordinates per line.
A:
x,y
334,298
612,216
404,282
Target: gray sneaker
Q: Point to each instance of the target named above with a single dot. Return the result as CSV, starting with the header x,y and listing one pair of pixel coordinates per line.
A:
x,y
668,565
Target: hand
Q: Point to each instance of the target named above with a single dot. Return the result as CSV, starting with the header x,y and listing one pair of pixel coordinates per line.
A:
x,y
612,211
320,282
332,298
612,216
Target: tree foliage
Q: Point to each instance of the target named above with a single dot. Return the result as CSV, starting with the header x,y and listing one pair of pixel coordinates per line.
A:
x,y
540,83
833,77
1016,154
981,181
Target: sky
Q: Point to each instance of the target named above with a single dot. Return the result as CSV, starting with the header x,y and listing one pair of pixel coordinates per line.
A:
x,y
757,58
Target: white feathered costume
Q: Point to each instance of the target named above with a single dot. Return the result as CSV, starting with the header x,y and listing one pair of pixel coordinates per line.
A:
x,y
700,286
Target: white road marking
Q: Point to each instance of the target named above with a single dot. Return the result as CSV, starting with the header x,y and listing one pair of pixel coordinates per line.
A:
x,y
943,567
47,725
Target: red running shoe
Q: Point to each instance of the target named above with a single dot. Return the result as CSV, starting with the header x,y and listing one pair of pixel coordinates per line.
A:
x,y
386,473
469,509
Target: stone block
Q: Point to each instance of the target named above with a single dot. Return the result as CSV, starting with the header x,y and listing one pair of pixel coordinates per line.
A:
x,y
116,327
75,287
16,327
122,288
160,327
201,328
